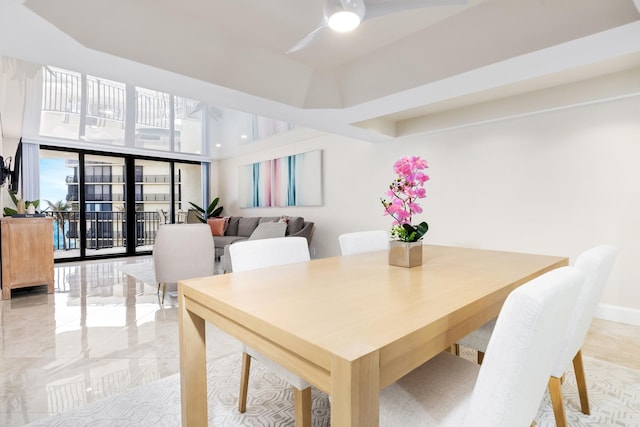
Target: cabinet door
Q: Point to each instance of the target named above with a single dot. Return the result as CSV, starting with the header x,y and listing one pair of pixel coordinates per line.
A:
x,y
27,252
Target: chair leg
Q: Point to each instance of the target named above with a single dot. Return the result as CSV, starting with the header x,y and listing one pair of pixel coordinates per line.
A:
x,y
302,406
555,391
480,357
164,287
454,349
244,382
581,380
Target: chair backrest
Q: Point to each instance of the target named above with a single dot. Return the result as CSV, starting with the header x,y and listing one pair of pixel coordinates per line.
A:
x,y
363,241
183,251
522,350
596,263
253,254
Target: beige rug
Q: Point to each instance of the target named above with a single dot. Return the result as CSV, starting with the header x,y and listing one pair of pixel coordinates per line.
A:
x,y
614,395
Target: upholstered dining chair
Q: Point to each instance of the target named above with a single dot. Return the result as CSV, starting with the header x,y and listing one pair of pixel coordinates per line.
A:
x,y
506,390
596,263
363,241
265,230
182,251
251,255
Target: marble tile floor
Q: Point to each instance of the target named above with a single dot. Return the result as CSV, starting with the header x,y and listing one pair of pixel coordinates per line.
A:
x,y
103,332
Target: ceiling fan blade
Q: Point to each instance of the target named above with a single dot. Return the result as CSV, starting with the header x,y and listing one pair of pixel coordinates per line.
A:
x,y
376,8
308,39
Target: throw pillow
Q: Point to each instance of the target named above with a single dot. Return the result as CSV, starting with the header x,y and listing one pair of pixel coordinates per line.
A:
x,y
268,230
218,226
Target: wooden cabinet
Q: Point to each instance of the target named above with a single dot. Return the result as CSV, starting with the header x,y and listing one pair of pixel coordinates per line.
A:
x,y
27,253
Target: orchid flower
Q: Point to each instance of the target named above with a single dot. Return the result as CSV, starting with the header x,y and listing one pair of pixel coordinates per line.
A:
x,y
404,191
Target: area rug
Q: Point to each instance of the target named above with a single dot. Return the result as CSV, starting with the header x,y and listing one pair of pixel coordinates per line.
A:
x,y
614,397
614,393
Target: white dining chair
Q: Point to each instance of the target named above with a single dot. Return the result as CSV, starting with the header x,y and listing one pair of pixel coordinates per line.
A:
x,y
506,390
251,255
265,230
596,263
363,241
182,251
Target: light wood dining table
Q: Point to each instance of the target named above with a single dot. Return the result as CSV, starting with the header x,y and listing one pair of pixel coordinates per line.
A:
x,y
349,325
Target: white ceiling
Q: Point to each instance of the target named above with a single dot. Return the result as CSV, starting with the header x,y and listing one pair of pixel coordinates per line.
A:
x,y
366,84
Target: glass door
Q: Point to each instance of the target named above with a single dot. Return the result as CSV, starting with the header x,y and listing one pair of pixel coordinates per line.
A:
x,y
153,200
104,205
60,199
98,201
188,188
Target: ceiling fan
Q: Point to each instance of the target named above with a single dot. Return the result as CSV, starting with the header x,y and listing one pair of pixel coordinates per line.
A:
x,y
346,15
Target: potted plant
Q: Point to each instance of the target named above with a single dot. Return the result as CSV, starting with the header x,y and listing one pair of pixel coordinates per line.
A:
x,y
21,205
404,192
211,212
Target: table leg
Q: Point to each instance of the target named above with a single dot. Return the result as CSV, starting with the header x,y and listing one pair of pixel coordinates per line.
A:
x,y
193,365
355,391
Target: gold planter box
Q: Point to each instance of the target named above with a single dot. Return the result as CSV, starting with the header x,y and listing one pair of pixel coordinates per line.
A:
x,y
405,254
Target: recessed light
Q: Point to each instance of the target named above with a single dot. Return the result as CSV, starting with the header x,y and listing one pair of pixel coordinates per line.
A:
x,y
218,145
244,136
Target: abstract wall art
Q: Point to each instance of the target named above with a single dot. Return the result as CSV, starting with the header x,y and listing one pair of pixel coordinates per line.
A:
x,y
294,180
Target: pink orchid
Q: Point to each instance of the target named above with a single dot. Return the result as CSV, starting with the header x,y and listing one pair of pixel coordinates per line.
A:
x,y
404,192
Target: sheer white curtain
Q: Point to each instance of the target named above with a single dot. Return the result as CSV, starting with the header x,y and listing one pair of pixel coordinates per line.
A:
x,y
30,172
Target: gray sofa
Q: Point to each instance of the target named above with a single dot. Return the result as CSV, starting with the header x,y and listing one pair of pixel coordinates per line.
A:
x,y
240,228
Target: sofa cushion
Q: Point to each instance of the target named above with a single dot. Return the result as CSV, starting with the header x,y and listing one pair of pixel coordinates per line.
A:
x,y
232,226
246,225
296,223
218,226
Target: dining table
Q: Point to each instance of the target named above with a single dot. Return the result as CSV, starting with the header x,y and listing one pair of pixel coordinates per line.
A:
x,y
348,325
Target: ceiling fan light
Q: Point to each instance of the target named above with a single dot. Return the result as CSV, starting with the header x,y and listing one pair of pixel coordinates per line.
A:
x,y
344,21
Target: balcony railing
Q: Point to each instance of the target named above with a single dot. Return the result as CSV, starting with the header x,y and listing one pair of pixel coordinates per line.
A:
x,y
105,99
107,229
120,179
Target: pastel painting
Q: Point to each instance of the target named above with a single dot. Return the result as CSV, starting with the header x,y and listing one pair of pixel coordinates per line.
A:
x,y
294,180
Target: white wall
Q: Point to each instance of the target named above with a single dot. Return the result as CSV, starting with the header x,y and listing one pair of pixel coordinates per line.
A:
x,y
552,183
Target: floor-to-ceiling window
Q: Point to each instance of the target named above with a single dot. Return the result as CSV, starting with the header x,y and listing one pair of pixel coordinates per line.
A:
x,y
112,202
153,199
59,198
99,200
104,204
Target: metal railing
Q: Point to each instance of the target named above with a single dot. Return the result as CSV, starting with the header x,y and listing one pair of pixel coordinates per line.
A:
x,y
70,179
106,229
105,99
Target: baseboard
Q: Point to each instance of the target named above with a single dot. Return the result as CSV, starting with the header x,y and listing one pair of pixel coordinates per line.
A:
x,y
616,313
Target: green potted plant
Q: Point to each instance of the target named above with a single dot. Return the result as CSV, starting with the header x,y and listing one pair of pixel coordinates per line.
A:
x,y
213,210
16,202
